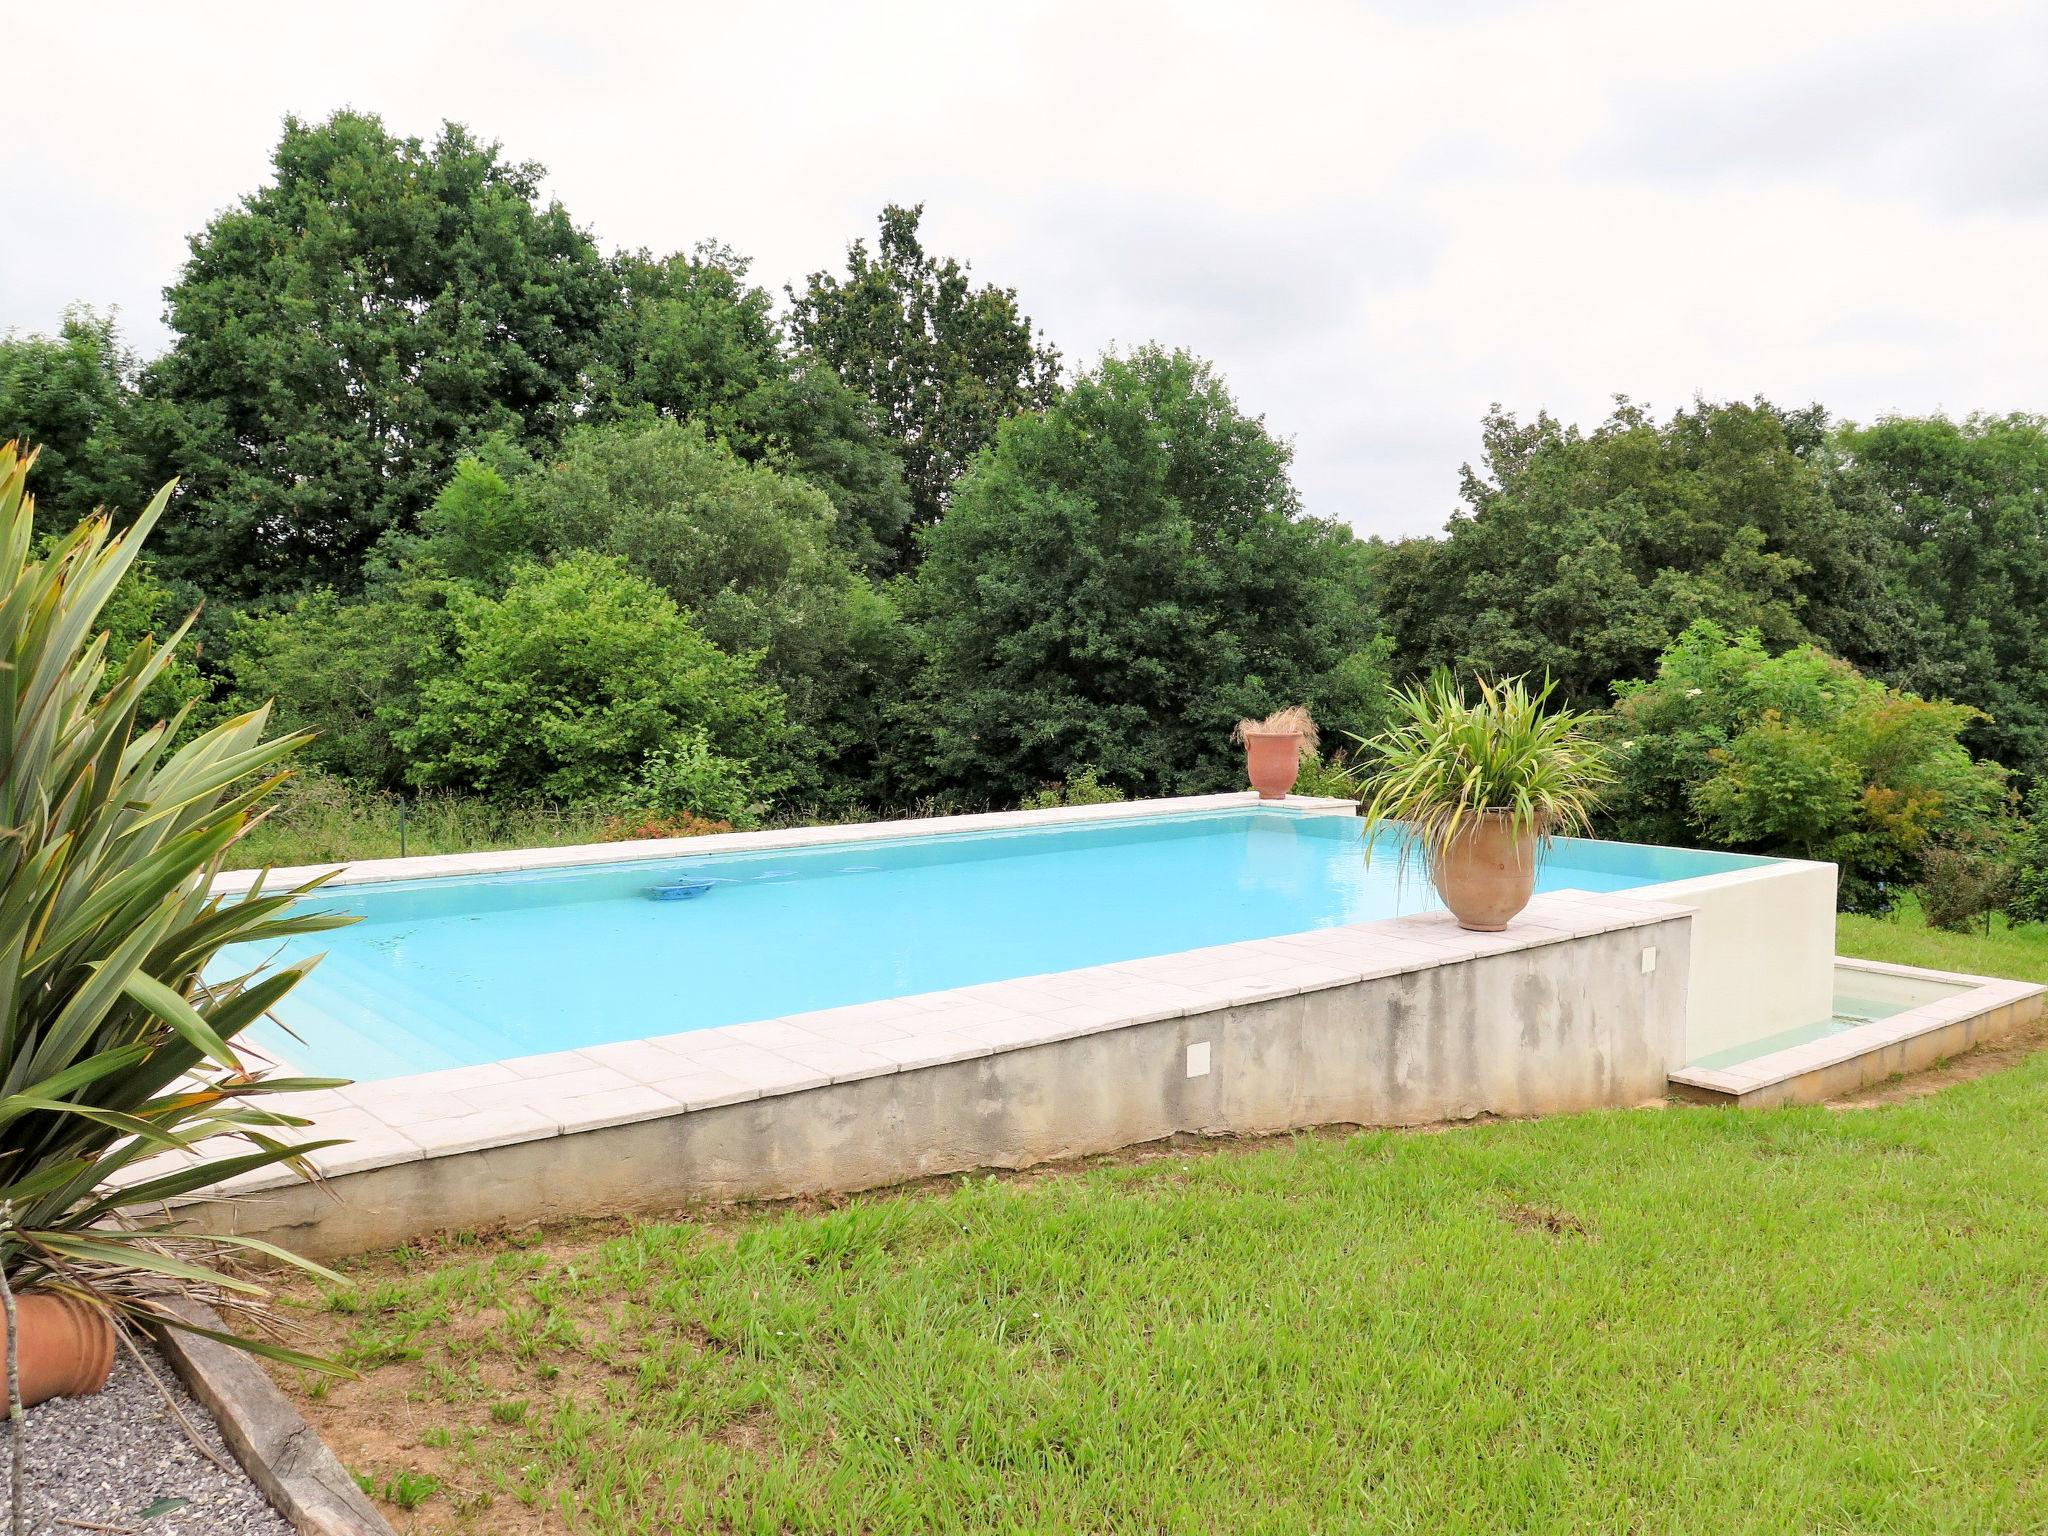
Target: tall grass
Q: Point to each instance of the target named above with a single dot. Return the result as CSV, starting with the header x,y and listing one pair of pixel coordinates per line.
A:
x,y
320,819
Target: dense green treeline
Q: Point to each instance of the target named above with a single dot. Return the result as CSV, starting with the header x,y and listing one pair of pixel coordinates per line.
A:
x,y
504,515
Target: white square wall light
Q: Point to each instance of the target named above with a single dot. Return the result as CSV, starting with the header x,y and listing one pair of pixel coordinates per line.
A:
x,y
1198,1059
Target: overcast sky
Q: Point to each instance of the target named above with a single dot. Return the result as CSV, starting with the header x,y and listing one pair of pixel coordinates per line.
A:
x,y
1376,219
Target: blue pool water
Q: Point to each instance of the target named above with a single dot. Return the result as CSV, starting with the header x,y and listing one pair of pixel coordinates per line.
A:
x,y
455,971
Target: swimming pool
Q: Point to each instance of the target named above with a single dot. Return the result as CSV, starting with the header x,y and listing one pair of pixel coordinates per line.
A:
x,y
461,970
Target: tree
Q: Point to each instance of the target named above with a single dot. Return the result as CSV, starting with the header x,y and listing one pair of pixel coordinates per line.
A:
x,y
347,333
570,682
349,671
1583,557
1796,754
71,398
694,341
1119,580
749,554
945,361
1963,507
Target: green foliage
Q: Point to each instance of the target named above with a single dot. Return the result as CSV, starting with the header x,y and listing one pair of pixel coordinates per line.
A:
x,y
350,671
1332,777
566,684
348,332
1083,788
947,363
1795,754
1962,885
1584,556
117,1045
145,606
318,818
1450,758
693,341
748,552
1962,509
689,778
1122,578
71,398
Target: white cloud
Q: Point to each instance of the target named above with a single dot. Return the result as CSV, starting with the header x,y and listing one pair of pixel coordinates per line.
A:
x,y
1375,220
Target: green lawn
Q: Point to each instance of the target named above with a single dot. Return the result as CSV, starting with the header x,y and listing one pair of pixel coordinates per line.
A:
x,y
2021,953
1678,1320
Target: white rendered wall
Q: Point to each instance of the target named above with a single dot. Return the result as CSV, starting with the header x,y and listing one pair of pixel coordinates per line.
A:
x,y
1763,952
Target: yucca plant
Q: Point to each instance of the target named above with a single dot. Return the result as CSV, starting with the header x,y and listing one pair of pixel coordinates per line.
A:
x,y
1449,760
114,1045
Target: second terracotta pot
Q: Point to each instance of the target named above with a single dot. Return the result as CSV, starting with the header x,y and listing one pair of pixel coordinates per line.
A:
x,y
1273,759
1488,873
67,1347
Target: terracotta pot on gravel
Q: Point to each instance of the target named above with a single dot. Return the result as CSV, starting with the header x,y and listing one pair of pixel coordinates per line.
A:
x,y
67,1347
1487,873
1273,758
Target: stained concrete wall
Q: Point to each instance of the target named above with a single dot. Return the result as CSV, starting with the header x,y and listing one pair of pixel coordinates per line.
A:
x,y
1580,1023
1763,952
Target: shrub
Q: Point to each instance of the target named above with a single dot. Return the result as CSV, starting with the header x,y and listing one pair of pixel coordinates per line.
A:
x,y
1334,777
565,686
1961,886
1796,754
1083,788
688,779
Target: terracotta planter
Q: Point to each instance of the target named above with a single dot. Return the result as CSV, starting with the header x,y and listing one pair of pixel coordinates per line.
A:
x,y
67,1347
1273,758
1487,874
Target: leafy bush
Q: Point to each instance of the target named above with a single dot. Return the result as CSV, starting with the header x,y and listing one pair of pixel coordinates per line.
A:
x,y
1334,777
351,672
117,1044
1083,788
565,685
1962,885
688,779
1796,754
747,551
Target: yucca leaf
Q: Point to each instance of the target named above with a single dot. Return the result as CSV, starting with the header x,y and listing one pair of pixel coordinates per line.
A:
x,y
113,1045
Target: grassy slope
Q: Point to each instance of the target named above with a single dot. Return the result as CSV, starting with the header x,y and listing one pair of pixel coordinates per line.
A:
x,y
1687,1320
2021,953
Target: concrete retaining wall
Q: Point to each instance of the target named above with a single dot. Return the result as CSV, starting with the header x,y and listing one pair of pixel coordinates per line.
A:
x,y
1585,1021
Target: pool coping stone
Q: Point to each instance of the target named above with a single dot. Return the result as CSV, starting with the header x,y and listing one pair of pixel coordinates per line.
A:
x,y
463,1109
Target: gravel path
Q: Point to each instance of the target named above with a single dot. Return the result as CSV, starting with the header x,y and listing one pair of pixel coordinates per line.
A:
x,y
106,1461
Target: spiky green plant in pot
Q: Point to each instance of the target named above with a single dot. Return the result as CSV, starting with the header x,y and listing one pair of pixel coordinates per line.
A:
x,y
1479,786
114,1044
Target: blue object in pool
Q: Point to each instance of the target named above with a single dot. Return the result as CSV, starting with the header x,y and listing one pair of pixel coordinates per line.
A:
x,y
680,890
468,969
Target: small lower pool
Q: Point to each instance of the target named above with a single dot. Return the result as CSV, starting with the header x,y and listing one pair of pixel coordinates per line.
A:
x,y
459,970
1861,997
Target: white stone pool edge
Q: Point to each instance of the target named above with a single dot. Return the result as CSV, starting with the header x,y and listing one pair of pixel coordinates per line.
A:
x,y
1610,1030
584,855
1389,1022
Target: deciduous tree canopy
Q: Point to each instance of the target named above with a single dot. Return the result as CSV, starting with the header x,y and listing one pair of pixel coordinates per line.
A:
x,y
348,332
1124,576
946,362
